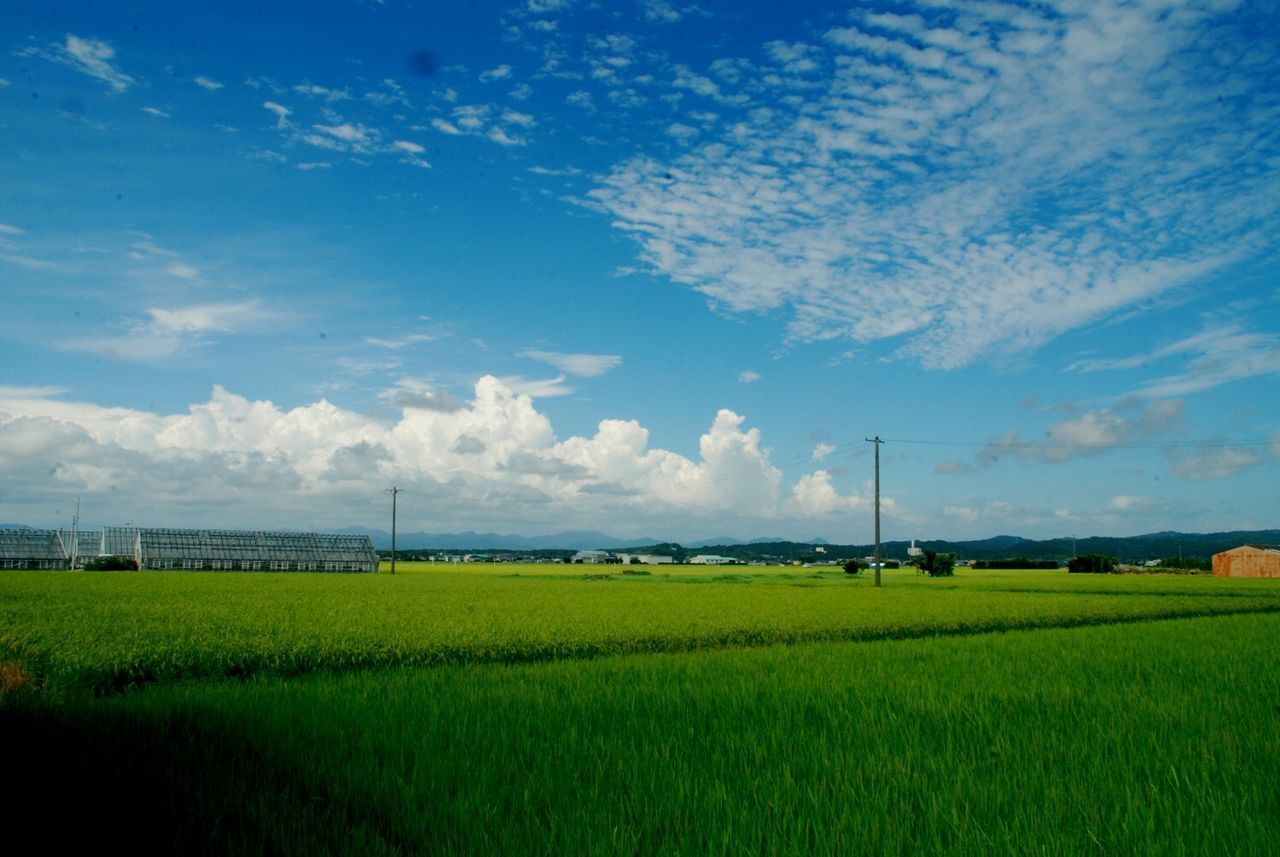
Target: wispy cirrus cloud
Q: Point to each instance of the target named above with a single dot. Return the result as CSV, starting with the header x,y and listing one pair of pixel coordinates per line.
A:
x,y
578,365
401,341
164,332
1090,434
88,55
905,180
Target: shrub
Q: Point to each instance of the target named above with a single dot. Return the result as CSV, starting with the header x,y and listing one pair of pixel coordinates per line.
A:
x,y
854,567
111,563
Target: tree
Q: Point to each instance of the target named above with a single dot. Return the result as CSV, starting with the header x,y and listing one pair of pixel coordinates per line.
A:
x,y
854,567
1094,563
937,564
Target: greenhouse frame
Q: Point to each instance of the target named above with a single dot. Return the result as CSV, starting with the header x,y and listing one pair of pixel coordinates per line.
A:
x,y
192,550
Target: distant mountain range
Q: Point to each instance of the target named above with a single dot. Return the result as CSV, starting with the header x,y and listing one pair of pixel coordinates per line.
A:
x,y
1149,546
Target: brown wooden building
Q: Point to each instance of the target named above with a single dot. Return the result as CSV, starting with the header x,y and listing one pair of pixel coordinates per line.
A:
x,y
1248,561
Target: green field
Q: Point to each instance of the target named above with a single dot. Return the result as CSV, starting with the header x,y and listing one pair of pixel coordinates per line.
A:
x,y
571,709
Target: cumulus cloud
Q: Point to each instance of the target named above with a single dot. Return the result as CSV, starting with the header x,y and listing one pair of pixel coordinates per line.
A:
x,y
963,181
748,376
465,464
815,497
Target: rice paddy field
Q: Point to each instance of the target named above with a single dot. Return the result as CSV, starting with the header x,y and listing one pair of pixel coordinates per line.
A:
x,y
585,710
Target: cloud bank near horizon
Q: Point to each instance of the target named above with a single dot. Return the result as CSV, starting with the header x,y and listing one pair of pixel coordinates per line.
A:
x,y
472,464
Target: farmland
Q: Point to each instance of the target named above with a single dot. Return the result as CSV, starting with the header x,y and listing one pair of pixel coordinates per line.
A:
x,y
558,709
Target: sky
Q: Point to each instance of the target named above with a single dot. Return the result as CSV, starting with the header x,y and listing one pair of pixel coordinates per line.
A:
x,y
652,268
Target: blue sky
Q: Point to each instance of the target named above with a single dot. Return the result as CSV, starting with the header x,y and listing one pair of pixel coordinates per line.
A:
x,y
651,268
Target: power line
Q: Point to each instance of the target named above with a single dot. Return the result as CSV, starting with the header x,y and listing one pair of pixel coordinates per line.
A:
x,y
1033,444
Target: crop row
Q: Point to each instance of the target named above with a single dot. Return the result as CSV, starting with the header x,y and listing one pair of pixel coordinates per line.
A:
x,y
112,631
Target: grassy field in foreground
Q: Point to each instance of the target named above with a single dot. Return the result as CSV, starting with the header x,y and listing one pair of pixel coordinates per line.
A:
x,y
1147,738
110,631
472,710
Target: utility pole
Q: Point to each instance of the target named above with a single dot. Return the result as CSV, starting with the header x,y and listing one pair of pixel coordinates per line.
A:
x,y
393,491
877,441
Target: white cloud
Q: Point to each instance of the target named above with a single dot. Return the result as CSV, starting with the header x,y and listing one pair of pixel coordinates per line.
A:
x,y
166,332
1129,503
401,342
537,388
502,72
914,188
408,146
29,262
157,112
282,113
444,126
323,92
822,451
580,98
483,462
661,11
347,132
208,83
513,117
967,514
813,496
1215,356
1090,434
579,365
6,229
1218,463
205,317
549,171
182,271
502,138
747,376
542,7
92,57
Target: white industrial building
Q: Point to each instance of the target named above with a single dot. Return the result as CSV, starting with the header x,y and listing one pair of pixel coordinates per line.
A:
x,y
645,559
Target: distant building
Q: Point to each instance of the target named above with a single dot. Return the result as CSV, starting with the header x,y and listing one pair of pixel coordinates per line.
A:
x,y
190,550
645,559
711,559
1248,561
592,557
32,549
913,550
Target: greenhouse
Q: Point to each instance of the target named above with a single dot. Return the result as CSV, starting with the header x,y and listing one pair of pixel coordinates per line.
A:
x,y
31,549
214,550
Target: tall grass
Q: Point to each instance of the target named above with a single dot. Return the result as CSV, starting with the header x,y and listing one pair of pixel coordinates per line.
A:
x,y
1152,738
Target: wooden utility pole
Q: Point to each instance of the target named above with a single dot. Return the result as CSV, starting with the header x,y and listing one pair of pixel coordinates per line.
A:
x,y
394,491
877,441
